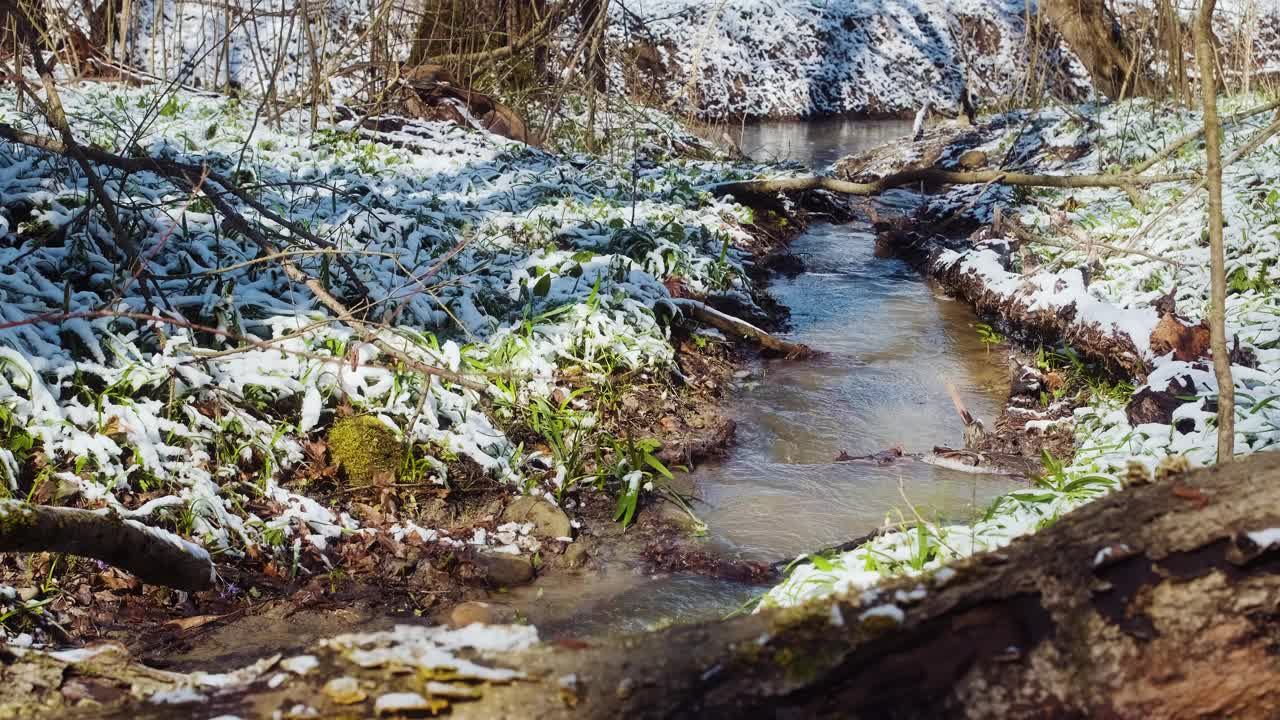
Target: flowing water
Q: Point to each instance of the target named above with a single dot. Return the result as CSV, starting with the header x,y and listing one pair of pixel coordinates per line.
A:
x,y
890,344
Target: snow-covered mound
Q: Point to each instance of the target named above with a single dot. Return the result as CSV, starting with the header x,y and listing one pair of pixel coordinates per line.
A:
x,y
790,58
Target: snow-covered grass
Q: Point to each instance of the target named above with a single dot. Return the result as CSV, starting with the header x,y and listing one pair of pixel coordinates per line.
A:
x,y
1118,300
481,256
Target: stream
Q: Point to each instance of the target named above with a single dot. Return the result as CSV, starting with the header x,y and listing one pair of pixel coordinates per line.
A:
x,y
889,343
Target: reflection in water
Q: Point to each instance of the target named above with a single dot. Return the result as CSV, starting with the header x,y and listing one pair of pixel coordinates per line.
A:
x,y
890,345
816,143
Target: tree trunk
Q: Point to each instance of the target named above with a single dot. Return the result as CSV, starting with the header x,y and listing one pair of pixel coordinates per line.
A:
x,y
1205,58
1160,601
1090,32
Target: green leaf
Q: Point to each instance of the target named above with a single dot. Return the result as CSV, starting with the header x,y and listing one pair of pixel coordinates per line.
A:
x,y
656,464
171,107
821,563
543,286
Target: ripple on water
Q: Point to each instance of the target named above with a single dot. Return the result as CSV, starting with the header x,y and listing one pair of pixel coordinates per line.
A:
x,y
890,346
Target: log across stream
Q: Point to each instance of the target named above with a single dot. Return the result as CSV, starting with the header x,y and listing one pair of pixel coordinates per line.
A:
x,y
890,344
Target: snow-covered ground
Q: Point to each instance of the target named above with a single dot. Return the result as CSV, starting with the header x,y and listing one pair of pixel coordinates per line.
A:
x,y
790,58
1119,300
483,256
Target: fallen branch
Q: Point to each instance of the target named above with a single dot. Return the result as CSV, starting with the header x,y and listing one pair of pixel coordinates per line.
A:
x,y
939,176
192,176
1192,135
729,324
154,555
1026,236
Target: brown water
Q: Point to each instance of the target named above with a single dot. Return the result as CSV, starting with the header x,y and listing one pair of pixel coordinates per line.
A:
x,y
890,344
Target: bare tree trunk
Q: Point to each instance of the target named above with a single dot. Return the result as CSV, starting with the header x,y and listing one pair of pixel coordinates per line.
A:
x,y
1089,31
1206,57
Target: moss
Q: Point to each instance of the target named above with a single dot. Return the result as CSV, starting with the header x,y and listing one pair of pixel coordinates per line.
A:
x,y
364,447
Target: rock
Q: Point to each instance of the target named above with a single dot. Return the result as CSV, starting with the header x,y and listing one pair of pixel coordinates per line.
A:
x,y
548,520
575,555
469,613
505,570
972,160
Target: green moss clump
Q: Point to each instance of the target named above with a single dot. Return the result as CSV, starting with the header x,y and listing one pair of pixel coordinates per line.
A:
x,y
364,447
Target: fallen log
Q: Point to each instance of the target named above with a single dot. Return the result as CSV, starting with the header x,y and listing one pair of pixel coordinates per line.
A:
x,y
154,555
1158,601
1036,308
741,328
940,176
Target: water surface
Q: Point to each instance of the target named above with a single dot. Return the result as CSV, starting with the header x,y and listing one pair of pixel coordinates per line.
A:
x,y
890,345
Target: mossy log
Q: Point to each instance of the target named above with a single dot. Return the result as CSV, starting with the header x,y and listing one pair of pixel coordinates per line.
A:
x,y
1160,601
153,555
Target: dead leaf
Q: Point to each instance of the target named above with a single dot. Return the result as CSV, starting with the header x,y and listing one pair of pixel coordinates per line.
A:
x,y
195,621
1187,342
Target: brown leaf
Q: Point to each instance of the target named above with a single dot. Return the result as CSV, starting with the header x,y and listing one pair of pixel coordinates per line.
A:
x,y
116,580
1187,342
195,621
316,451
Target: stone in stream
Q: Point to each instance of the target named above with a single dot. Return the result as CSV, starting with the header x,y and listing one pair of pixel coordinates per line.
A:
x,y
473,612
575,555
504,569
548,520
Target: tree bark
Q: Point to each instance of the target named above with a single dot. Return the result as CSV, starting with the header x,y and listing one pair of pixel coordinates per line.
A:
x,y
1090,32
153,555
1205,58
1159,601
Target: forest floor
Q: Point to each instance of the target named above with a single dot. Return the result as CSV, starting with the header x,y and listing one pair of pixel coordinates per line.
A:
x,y
212,397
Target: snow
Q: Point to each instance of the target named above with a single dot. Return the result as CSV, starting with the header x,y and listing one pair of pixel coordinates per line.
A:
x,y
300,664
494,259
394,703
1117,301
788,58
428,648
1265,538
177,696
892,612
